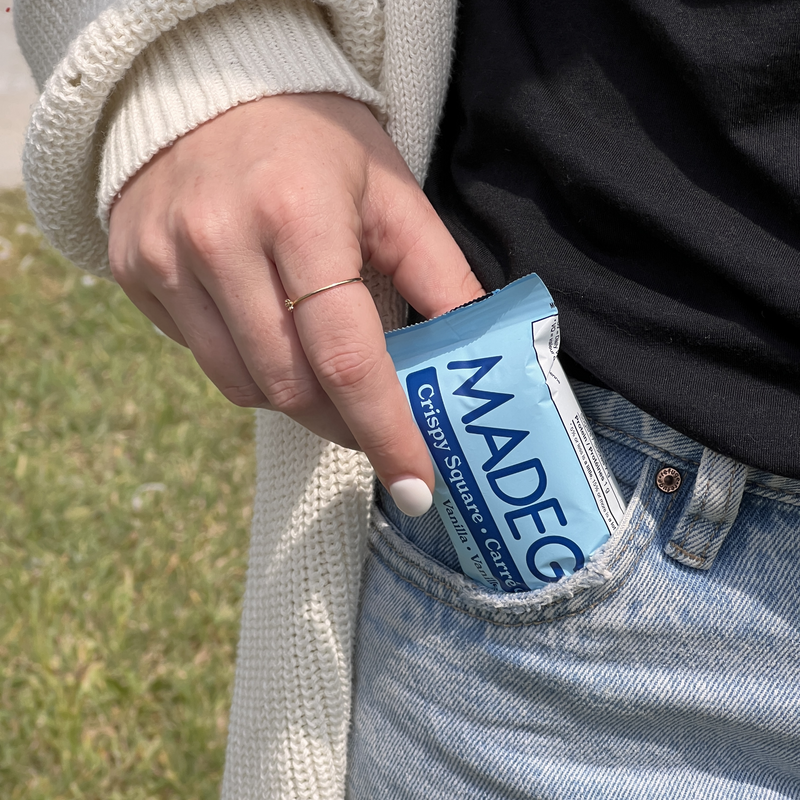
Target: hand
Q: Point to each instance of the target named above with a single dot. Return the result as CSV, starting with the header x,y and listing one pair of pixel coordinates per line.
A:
x,y
273,199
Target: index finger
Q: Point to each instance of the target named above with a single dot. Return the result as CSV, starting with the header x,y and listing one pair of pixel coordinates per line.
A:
x,y
342,336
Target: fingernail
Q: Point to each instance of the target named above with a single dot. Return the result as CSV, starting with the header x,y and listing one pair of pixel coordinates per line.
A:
x,y
411,496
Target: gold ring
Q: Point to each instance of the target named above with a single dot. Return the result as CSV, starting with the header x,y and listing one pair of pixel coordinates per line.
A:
x,y
290,304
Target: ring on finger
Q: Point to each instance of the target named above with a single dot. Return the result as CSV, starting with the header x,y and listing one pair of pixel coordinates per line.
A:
x,y
290,304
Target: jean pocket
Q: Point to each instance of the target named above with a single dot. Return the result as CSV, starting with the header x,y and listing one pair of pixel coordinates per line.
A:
x,y
603,574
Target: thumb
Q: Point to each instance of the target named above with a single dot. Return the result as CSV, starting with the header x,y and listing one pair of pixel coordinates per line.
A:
x,y
416,250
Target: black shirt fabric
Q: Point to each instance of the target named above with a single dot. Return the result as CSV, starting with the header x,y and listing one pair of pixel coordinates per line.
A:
x,y
643,157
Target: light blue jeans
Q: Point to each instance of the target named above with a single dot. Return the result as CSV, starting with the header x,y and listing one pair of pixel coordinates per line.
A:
x,y
670,668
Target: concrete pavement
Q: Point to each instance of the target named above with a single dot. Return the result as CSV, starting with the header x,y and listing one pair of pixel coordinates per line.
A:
x,y
17,95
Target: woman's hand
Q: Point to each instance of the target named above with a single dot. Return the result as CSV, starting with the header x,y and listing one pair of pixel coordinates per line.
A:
x,y
271,200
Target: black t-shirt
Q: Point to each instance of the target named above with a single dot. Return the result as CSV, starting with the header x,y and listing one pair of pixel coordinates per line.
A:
x,y
643,156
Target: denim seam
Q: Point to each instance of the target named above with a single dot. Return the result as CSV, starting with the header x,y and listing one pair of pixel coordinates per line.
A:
x,y
645,506
687,554
717,529
788,496
479,617
475,615
647,444
696,516
624,548
779,496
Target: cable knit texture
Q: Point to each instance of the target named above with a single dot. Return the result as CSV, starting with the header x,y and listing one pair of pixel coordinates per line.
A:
x,y
133,77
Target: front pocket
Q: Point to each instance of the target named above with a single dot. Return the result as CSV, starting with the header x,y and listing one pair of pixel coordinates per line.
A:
x,y
603,574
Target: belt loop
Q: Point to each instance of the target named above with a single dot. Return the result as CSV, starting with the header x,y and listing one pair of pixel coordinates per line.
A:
x,y
711,511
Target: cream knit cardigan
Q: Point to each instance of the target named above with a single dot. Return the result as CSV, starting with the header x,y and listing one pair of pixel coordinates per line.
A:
x,y
122,79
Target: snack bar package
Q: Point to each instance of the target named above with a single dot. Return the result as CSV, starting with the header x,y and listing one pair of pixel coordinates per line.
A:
x,y
521,485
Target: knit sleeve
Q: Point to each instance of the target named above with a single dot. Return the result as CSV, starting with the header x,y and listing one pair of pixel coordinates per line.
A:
x,y
212,62
144,72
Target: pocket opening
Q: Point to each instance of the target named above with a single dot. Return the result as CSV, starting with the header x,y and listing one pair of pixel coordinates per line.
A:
x,y
603,573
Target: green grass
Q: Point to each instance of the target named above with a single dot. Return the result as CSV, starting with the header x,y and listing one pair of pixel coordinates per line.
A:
x,y
125,497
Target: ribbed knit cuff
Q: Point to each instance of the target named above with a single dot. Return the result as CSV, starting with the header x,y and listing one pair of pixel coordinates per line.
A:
x,y
210,63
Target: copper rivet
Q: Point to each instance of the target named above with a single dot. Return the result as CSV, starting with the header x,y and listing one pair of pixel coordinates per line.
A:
x,y
668,480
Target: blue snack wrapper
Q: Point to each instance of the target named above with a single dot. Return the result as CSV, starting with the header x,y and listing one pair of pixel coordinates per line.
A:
x,y
521,486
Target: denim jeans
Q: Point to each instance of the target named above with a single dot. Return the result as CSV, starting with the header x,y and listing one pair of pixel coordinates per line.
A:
x,y
668,668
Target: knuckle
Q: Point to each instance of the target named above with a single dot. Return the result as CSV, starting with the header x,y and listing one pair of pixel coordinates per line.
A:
x,y
155,255
282,208
346,368
292,396
118,265
303,208
247,395
287,219
207,229
152,255
385,444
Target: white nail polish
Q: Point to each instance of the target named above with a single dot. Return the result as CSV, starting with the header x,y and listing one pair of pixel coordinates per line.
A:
x,y
411,496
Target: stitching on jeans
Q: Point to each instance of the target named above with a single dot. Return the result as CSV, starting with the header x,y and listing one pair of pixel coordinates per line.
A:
x,y
687,554
699,513
717,529
623,549
646,443
475,615
522,624
776,492
645,507
791,493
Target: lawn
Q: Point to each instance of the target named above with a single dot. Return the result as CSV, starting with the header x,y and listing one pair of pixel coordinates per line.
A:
x,y
125,500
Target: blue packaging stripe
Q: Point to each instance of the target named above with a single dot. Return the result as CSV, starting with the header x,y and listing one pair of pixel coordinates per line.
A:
x,y
430,413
